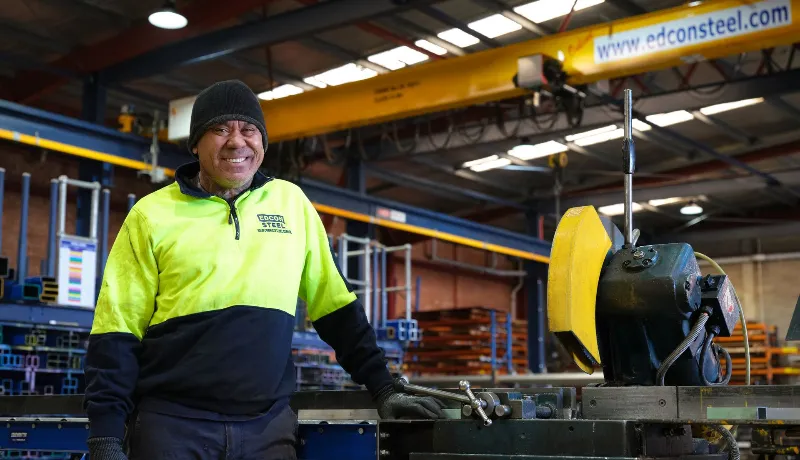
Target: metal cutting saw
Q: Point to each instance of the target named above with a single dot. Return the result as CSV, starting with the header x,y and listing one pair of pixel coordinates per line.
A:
x,y
645,314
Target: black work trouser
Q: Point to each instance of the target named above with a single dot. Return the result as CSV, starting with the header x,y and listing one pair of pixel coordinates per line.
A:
x,y
161,437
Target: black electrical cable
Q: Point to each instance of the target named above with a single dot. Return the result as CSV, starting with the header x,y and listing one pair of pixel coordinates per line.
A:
x,y
693,335
707,344
733,445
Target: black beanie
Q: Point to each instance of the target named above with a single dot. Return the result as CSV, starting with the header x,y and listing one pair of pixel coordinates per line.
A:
x,y
225,101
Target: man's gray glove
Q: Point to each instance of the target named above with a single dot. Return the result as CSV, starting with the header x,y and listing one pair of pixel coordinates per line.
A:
x,y
393,405
106,449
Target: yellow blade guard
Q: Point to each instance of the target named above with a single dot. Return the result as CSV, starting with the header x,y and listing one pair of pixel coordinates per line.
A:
x,y
580,246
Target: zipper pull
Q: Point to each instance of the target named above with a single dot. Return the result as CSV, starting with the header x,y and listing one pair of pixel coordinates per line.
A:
x,y
230,217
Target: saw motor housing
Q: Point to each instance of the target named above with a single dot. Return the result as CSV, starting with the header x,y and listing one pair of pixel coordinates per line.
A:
x,y
648,299
627,310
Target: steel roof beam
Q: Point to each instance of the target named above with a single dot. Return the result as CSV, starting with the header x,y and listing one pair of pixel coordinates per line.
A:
x,y
696,188
23,62
729,234
275,29
140,38
784,106
676,136
440,188
502,8
464,174
424,34
343,54
12,32
629,6
84,8
330,49
445,18
183,85
725,128
253,67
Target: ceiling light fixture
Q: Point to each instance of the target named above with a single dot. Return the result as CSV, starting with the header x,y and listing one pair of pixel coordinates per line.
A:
x,y
724,107
428,46
487,163
397,58
639,125
545,10
617,209
472,163
494,26
600,137
168,17
665,201
530,152
593,132
280,92
345,74
497,163
671,118
313,81
458,37
691,209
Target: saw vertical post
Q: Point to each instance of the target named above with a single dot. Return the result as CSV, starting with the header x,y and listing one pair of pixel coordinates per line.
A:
x,y
629,164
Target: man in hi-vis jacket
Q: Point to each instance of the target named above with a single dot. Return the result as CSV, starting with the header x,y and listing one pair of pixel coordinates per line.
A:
x,y
190,352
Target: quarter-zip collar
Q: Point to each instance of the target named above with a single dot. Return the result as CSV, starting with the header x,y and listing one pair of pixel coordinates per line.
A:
x,y
186,173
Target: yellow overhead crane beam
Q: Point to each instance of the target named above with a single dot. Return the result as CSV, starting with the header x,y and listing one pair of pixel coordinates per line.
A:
x,y
708,30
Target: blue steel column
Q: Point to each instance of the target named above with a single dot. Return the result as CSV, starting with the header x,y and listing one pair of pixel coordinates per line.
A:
x,y
2,197
509,344
493,334
357,182
131,201
51,231
22,249
535,285
102,253
93,110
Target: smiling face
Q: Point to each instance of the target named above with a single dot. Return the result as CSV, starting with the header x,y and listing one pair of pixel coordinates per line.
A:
x,y
230,153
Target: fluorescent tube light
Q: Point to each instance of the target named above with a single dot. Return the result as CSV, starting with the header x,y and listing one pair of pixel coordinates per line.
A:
x,y
344,74
617,209
458,37
665,201
435,49
498,163
600,138
495,26
397,58
590,133
671,118
545,10
718,108
487,163
280,92
530,152
639,125
313,81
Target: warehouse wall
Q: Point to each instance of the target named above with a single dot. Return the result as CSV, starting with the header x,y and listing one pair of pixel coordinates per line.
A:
x,y
44,167
443,287
767,290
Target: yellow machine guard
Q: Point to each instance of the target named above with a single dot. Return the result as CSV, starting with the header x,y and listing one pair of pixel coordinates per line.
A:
x,y
580,246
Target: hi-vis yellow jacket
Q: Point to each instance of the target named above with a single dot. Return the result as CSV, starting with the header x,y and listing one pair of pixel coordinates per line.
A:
x,y
196,308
